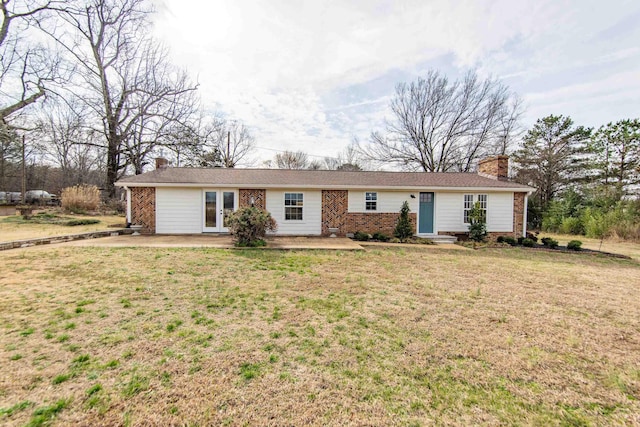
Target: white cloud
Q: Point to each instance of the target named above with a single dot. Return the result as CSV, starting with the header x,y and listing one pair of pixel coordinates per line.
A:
x,y
271,64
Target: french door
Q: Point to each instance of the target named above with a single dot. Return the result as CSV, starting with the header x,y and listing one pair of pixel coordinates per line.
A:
x,y
218,205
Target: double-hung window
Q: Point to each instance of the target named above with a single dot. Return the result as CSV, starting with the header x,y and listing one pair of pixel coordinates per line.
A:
x,y
293,206
371,201
470,200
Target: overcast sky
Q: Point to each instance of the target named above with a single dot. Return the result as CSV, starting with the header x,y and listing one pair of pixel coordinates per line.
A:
x,y
311,74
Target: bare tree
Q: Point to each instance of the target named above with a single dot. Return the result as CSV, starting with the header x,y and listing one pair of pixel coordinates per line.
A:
x,y
349,160
125,80
66,140
291,160
10,155
234,143
25,66
163,96
441,126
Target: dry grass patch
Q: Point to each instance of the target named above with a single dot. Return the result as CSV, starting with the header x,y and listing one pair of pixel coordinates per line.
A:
x,y
16,228
382,337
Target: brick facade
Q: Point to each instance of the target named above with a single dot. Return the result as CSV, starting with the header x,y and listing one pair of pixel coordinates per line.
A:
x,y
143,208
519,208
375,222
496,167
259,198
335,204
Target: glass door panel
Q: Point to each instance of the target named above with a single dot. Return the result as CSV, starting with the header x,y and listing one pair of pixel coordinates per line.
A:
x,y
210,210
228,205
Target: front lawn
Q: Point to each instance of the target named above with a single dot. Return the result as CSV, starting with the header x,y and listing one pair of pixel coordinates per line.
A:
x,y
401,336
51,223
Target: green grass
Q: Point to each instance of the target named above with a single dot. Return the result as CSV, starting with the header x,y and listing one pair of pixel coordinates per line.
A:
x,y
380,337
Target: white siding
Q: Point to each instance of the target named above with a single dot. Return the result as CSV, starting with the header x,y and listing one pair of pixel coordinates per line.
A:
x,y
450,212
312,212
388,201
178,210
500,212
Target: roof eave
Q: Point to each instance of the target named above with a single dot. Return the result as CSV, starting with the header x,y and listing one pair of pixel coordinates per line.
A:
x,y
325,187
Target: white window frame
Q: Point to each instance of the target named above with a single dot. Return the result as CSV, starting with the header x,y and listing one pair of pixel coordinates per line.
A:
x,y
370,199
301,206
469,200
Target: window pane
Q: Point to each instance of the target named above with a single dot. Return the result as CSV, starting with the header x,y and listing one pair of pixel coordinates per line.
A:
x,y
293,203
426,197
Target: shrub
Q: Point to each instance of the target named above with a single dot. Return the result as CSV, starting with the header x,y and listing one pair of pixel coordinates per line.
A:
x,y
360,236
500,239
549,242
528,243
249,226
80,198
477,223
521,239
404,228
510,240
574,245
380,237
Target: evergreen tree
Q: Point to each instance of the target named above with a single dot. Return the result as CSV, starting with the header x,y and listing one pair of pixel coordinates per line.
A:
x,y
615,150
552,157
404,228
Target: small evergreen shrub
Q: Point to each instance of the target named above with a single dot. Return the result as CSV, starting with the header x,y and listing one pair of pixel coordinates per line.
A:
x,y
510,240
477,224
360,236
521,239
404,228
500,239
249,226
549,242
80,198
381,237
574,245
528,243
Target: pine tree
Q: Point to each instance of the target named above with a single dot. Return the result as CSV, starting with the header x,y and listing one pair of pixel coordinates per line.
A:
x,y
404,228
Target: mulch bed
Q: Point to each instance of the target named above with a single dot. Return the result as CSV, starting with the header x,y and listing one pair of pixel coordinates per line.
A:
x,y
562,249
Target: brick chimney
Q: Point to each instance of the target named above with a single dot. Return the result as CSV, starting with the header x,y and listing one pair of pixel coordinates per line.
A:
x,y
162,163
496,167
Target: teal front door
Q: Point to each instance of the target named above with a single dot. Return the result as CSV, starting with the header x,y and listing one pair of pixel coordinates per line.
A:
x,y
425,214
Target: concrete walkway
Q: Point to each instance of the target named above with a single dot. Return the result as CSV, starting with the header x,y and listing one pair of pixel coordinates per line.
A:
x,y
217,241
113,238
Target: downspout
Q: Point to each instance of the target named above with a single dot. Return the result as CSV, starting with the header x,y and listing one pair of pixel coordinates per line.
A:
x,y
128,190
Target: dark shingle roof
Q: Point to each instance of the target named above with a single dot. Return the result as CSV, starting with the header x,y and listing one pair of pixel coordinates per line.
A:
x,y
275,178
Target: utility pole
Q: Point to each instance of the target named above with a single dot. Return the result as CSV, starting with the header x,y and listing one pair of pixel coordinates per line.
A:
x,y
24,172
